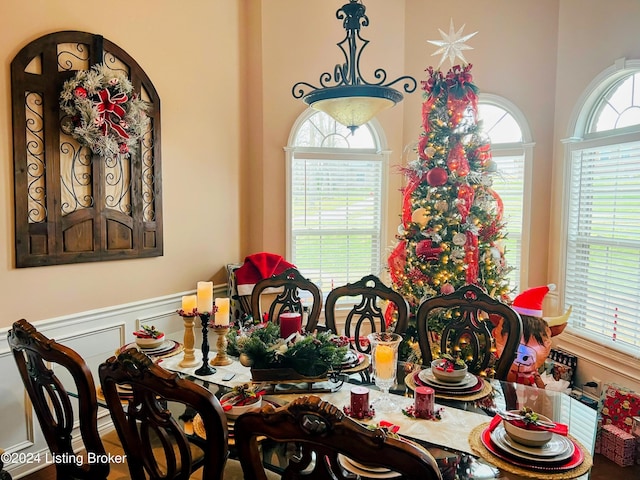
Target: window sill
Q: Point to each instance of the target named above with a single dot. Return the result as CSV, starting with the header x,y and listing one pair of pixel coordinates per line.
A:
x,y
611,361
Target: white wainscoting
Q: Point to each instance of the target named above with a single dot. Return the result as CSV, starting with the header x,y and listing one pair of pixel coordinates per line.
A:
x,y
95,335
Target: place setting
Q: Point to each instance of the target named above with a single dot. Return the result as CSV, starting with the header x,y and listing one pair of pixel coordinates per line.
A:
x,y
529,444
153,343
450,379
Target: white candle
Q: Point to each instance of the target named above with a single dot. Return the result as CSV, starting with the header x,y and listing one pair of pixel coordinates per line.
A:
x,y
222,312
205,297
189,302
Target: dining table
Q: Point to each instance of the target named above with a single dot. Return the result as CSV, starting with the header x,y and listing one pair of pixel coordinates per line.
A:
x,y
466,436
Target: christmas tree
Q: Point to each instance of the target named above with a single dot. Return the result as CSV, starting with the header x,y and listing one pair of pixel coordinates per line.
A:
x,y
451,233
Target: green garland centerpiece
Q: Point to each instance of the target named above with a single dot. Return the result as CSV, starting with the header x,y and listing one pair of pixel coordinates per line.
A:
x,y
103,112
311,355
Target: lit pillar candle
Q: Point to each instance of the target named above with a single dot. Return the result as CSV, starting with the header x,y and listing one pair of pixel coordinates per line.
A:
x,y
205,297
384,362
222,312
189,302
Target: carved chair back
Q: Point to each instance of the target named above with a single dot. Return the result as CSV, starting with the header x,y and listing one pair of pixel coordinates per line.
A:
x,y
289,283
36,356
154,441
322,434
366,315
467,329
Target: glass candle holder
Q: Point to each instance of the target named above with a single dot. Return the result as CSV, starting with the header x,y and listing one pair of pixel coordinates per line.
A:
x,y
384,361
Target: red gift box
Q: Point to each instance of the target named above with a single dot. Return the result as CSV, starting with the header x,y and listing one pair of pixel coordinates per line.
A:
x,y
619,407
617,445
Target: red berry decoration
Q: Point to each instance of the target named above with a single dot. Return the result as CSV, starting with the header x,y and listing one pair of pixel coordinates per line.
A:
x,y
436,177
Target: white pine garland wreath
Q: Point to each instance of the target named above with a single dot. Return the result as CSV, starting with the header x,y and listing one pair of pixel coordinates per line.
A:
x,y
103,112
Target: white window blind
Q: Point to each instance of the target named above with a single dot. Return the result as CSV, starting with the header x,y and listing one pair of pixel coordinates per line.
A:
x,y
603,245
336,217
509,154
510,186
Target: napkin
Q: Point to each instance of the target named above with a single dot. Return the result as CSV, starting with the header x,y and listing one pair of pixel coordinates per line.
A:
x,y
560,428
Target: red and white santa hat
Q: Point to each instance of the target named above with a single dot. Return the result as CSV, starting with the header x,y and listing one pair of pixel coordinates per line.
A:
x,y
530,301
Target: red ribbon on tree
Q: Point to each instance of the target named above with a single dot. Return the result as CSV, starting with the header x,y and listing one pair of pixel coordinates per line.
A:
x,y
388,314
457,161
397,260
427,105
499,204
108,108
465,200
412,183
471,257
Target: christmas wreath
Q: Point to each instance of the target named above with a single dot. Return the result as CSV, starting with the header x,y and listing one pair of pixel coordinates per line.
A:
x,y
103,112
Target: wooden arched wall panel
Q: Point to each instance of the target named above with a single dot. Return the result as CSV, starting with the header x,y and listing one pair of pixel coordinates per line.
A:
x,y
72,206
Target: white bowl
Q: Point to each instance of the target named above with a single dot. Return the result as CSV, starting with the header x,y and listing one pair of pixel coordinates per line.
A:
x,y
455,376
236,411
524,436
143,342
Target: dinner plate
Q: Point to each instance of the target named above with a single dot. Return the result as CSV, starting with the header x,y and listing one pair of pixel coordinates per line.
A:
x,y
351,359
168,346
365,471
558,449
574,461
448,391
468,381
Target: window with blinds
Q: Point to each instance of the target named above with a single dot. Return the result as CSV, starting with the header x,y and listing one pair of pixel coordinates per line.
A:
x,y
335,198
508,153
603,244
603,217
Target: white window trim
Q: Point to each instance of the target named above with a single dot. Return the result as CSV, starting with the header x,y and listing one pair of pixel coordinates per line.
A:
x,y
526,148
592,352
346,153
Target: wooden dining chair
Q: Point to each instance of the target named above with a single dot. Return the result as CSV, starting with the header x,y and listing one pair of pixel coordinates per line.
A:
x,y
322,435
467,329
154,440
287,287
366,314
37,358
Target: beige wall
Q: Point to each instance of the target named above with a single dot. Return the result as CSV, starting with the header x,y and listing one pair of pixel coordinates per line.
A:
x,y
190,50
224,71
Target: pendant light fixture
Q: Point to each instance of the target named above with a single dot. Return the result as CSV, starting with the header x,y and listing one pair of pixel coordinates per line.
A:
x,y
345,95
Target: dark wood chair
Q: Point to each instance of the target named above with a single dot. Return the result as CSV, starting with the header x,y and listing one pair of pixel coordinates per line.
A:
x,y
33,351
321,432
156,444
467,329
288,285
367,312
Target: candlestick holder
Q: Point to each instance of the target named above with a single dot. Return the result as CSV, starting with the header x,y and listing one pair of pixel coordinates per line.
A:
x,y
205,369
189,359
221,357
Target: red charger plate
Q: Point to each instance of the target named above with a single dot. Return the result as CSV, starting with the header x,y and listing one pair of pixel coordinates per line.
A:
x,y
576,459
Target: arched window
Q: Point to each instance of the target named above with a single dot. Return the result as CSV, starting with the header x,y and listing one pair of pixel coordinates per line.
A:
x,y
511,148
335,197
603,212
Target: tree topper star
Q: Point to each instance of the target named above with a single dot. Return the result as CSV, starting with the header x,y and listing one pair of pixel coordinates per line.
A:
x,y
452,45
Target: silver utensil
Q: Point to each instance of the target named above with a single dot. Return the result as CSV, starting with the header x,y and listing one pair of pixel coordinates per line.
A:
x,y
515,416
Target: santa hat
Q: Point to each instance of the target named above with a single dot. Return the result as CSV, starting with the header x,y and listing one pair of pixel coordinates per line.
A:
x,y
530,301
258,266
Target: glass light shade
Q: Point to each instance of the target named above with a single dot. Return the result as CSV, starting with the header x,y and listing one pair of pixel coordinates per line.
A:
x,y
353,111
353,106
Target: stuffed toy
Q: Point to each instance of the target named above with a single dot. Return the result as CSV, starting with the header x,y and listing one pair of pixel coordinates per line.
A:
x,y
535,344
